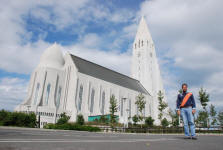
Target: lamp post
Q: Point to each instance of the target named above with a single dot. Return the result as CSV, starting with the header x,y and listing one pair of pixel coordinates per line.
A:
x,y
126,117
28,108
127,114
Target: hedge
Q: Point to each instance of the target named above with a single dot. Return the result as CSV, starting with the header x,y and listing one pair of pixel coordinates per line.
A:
x,y
72,126
19,119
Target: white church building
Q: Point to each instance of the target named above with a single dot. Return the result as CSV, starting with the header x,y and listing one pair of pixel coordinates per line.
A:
x,y
70,84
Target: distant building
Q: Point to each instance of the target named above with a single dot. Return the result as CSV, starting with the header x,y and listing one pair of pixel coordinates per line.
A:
x,y
67,83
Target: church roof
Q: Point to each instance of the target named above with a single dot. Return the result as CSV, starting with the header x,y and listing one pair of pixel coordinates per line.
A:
x,y
100,72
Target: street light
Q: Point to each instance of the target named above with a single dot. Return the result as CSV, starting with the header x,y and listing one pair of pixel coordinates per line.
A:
x,y
126,119
127,116
28,108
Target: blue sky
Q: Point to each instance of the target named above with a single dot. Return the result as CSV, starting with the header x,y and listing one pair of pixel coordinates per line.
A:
x,y
187,37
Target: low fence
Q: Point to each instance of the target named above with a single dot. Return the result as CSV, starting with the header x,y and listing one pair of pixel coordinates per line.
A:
x,y
175,130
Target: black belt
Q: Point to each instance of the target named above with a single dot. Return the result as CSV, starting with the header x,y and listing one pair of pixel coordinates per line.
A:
x,y
185,106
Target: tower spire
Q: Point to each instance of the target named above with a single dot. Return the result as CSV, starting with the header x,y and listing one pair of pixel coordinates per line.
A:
x,y
143,31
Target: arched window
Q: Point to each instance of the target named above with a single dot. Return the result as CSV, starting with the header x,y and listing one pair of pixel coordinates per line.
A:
x,y
142,43
135,45
36,93
102,107
130,106
139,43
92,100
47,94
121,107
80,98
58,97
137,110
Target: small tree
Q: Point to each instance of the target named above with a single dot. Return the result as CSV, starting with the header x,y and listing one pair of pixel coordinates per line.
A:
x,y
140,103
162,105
174,118
213,114
80,119
202,118
63,119
220,118
164,122
180,91
204,98
113,109
103,119
149,121
135,119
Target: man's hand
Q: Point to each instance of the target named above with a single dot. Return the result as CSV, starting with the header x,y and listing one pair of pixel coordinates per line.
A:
x,y
193,111
178,112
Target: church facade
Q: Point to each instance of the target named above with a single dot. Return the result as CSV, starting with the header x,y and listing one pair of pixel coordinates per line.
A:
x,y
70,84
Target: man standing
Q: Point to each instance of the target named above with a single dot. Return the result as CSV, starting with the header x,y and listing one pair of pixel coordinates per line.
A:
x,y
186,108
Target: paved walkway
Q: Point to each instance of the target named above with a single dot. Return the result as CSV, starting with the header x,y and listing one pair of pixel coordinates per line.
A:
x,y
36,139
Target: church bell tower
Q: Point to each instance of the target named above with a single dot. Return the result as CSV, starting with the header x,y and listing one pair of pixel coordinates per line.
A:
x,y
144,65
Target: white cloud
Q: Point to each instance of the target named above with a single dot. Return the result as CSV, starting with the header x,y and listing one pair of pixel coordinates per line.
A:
x,y
91,40
20,55
12,91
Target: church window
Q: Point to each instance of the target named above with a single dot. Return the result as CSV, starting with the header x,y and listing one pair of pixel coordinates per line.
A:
x,y
151,55
47,94
150,109
103,103
135,45
137,110
147,42
92,100
130,108
121,107
58,97
36,93
142,43
139,43
80,97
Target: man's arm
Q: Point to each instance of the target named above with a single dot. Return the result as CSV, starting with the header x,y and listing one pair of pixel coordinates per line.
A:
x,y
193,104
178,102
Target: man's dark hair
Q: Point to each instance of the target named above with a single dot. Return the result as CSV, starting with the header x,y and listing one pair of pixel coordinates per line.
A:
x,y
184,84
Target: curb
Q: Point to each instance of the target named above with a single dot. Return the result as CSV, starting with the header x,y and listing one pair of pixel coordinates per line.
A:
x,y
55,130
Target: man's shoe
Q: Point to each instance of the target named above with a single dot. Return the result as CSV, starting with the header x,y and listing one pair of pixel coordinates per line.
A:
x,y
187,137
194,138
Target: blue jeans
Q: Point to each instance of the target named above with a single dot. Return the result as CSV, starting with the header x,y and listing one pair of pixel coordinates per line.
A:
x,y
188,119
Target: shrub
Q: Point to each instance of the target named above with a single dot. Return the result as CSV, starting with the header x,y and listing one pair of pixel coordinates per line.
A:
x,y
72,126
64,119
135,119
49,126
103,119
149,121
164,122
17,119
80,119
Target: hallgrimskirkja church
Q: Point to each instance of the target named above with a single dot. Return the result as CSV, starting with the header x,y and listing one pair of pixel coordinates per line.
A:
x,y
67,83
